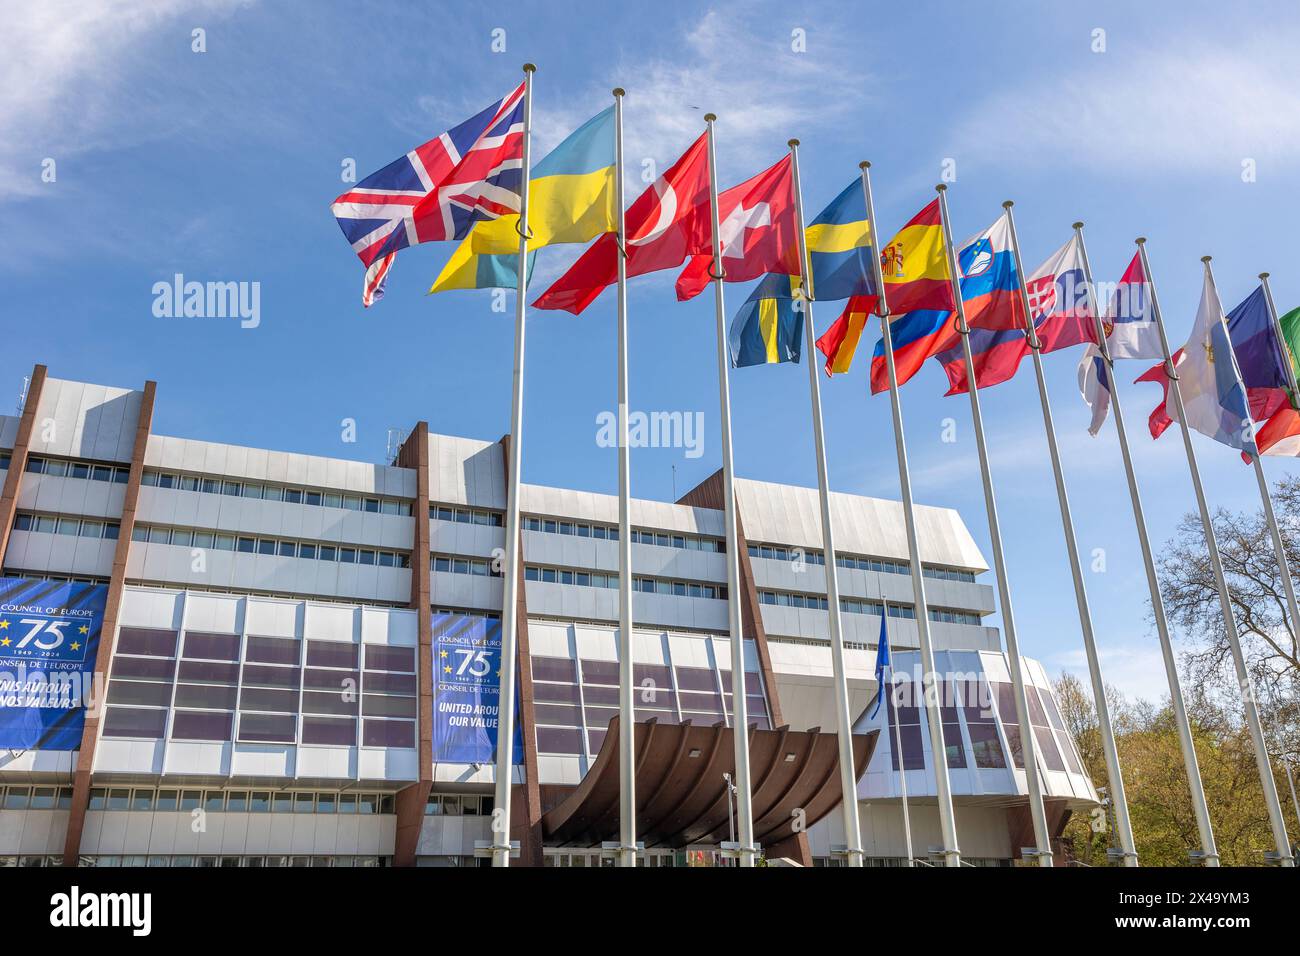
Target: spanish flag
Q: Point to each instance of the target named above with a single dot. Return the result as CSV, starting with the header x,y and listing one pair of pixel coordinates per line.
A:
x,y
570,194
769,327
914,267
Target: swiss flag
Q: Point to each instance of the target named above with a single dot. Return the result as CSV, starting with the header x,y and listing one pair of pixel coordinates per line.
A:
x,y
759,230
668,222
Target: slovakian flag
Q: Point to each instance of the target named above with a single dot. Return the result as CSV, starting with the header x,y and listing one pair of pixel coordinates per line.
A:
x,y
666,223
914,268
1058,305
1131,333
1211,387
758,230
437,191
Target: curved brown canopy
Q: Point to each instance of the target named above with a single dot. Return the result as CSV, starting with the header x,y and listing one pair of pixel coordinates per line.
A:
x,y
681,795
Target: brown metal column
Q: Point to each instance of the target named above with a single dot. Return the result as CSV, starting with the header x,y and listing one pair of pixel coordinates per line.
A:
x,y
108,635
18,460
411,800
526,804
708,494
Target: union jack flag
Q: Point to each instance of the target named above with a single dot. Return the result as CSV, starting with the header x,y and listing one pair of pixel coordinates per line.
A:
x,y
437,191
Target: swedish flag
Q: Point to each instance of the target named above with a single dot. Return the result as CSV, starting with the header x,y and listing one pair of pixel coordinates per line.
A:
x,y
839,247
769,327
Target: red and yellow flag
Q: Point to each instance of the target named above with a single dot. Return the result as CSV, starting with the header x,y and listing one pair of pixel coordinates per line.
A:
x,y
914,266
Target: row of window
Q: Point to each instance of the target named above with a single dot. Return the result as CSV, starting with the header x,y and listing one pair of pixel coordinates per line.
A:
x,y
777,552
458,804
59,468
492,519
607,532
818,602
154,800
481,567
242,592
260,690
212,861
646,585
345,554
293,496
688,542
74,527
5,458
576,699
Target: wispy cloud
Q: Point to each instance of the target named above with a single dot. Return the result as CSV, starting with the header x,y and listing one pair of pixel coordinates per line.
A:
x,y
1183,103
62,78
1136,667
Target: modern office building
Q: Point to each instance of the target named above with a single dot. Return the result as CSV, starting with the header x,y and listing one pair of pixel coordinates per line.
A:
x,y
274,640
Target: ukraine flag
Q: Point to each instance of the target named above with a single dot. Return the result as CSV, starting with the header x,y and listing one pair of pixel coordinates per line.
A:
x,y
570,199
769,327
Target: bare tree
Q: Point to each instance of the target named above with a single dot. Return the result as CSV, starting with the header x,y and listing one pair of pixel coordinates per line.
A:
x,y
1269,638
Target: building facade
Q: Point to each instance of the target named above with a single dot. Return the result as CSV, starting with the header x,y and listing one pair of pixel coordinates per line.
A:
x,y
273,693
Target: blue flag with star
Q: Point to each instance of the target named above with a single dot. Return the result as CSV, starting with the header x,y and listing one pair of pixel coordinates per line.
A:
x,y
467,689
49,636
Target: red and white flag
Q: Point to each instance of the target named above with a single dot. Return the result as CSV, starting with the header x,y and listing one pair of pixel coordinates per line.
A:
x,y
667,223
759,232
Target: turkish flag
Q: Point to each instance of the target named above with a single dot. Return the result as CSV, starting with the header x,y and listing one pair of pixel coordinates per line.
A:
x,y
759,230
667,223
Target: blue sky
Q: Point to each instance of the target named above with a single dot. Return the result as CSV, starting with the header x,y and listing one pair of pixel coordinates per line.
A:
x,y
221,165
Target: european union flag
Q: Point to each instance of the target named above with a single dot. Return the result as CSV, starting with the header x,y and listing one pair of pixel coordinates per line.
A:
x,y
882,659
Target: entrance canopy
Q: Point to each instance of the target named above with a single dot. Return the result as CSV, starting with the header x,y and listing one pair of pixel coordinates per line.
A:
x,y
681,793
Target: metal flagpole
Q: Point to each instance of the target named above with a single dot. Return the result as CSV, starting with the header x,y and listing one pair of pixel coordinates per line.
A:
x,y
1208,852
1252,712
1076,568
1288,582
1212,547
745,850
931,688
1295,801
626,675
840,680
510,585
898,734
1029,746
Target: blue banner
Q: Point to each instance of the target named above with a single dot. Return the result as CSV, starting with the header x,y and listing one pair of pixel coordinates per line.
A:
x,y
49,634
466,690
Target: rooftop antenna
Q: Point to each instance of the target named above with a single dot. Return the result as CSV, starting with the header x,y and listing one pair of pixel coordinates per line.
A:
x,y
22,396
674,482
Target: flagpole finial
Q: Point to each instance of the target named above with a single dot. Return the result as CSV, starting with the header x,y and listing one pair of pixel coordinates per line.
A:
x,y
1140,240
792,143
619,91
1008,204
864,165
710,117
1077,225
1206,259
530,67
940,188
1263,275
